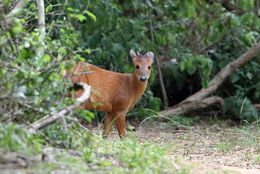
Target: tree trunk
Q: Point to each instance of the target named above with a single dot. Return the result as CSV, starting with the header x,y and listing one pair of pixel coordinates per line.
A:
x,y
41,20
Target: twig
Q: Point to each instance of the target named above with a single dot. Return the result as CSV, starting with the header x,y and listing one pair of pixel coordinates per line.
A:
x,y
79,74
84,127
164,93
54,116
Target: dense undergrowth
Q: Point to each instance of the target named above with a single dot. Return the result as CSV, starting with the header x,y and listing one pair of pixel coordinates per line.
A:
x,y
87,153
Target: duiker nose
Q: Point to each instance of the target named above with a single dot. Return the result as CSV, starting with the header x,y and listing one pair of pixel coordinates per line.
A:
x,y
142,78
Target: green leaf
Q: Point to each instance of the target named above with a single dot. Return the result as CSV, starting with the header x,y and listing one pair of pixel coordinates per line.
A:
x,y
106,163
17,28
48,8
182,65
46,58
247,18
250,38
72,9
234,19
87,50
235,78
6,2
79,17
91,15
249,75
246,4
188,8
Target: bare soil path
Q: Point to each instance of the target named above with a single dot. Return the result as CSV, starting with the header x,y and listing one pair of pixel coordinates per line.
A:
x,y
206,148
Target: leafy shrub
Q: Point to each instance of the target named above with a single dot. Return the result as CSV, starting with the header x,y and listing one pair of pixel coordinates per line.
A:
x,y
15,137
243,109
31,78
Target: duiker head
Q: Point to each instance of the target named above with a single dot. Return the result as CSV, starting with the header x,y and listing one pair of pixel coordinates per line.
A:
x,y
142,65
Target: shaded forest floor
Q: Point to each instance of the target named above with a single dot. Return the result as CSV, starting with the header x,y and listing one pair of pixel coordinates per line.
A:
x,y
207,146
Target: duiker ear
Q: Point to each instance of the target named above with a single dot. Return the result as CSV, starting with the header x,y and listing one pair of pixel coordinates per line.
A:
x,y
150,54
132,53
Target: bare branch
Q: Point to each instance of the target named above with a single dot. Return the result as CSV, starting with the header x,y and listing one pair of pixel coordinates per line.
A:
x,y
54,116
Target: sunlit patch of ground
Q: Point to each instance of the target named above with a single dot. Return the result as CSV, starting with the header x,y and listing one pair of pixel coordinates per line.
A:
x,y
204,147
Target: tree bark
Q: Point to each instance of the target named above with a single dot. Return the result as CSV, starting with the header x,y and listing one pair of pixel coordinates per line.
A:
x,y
54,116
220,77
41,20
257,106
193,105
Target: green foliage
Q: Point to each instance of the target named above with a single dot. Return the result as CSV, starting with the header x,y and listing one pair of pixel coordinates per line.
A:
x,y
30,67
145,158
66,136
147,101
242,108
127,156
14,137
182,121
191,63
246,81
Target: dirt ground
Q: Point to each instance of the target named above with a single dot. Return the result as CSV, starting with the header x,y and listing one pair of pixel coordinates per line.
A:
x,y
203,147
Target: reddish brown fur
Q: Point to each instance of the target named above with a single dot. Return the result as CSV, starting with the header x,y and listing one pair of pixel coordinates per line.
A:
x,y
114,93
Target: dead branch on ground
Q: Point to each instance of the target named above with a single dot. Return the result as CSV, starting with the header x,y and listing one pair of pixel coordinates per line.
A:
x,y
199,100
257,106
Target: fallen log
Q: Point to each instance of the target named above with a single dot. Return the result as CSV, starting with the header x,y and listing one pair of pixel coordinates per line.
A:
x,y
257,106
188,106
197,100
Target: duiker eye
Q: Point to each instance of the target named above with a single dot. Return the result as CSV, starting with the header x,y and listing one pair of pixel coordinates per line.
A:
x,y
137,66
149,67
